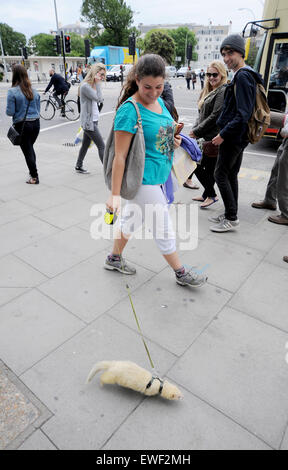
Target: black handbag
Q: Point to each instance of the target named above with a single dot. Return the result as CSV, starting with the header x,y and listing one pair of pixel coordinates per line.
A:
x,y
13,135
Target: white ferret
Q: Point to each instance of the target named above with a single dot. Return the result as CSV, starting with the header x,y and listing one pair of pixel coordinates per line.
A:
x,y
130,375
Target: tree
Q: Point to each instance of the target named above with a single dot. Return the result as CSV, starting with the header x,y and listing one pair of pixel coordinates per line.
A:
x,y
159,42
42,44
12,41
183,36
113,15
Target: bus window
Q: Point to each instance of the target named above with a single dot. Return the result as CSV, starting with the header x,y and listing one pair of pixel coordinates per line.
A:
x,y
279,71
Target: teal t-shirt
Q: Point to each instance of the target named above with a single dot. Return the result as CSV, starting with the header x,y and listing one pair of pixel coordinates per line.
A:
x,y
159,138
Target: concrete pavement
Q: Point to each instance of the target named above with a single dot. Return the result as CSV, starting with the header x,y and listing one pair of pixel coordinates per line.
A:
x,y
225,345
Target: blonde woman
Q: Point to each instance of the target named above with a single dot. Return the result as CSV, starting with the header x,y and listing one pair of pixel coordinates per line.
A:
x,y
210,105
90,99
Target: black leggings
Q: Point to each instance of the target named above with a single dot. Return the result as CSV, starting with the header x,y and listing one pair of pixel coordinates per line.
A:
x,y
30,134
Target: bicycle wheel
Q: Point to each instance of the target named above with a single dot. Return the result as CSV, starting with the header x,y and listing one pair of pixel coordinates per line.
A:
x,y
47,110
71,110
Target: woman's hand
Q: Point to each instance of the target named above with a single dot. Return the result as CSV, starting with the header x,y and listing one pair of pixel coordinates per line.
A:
x,y
114,203
217,140
177,141
191,134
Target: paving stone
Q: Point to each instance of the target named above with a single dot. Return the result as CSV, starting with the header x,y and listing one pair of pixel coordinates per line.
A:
x,y
39,326
61,251
247,356
20,411
169,314
37,441
16,273
87,415
10,293
51,197
68,214
188,424
13,210
22,232
88,290
264,295
215,257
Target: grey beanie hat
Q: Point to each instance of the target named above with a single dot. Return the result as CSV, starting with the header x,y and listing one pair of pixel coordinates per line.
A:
x,y
235,42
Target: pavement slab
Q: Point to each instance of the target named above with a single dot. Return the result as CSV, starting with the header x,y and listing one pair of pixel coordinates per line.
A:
x,y
20,413
88,290
190,425
85,416
249,357
264,295
37,325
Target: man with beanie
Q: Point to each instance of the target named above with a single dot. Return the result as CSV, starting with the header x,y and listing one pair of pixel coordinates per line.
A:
x,y
239,101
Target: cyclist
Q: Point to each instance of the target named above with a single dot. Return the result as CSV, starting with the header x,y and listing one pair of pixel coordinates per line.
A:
x,y
61,87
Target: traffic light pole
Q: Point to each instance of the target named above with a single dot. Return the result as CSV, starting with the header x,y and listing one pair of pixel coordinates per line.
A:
x,y
64,58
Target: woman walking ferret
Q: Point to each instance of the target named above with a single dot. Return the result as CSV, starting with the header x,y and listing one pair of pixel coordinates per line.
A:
x,y
130,375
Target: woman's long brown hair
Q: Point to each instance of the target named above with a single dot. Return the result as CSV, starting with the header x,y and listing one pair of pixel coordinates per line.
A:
x,y
20,77
148,64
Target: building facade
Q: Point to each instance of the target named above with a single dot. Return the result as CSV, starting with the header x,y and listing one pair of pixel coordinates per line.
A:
x,y
208,37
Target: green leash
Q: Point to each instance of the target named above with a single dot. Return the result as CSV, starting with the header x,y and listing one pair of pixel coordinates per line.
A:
x,y
137,322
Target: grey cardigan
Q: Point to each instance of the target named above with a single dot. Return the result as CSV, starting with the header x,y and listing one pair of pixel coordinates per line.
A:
x,y
87,96
205,125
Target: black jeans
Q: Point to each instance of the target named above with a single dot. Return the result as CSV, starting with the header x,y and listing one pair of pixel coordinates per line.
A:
x,y
226,175
188,83
30,134
205,174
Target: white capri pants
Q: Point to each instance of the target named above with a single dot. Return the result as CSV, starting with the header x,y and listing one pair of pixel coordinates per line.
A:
x,y
150,206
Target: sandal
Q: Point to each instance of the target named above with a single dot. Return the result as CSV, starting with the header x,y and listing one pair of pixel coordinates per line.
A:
x,y
198,199
193,186
212,199
33,181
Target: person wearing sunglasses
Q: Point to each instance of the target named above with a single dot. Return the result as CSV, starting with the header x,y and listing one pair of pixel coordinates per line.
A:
x,y
210,104
90,100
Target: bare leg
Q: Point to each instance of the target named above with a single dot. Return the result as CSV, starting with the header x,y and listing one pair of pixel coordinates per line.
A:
x,y
119,244
173,260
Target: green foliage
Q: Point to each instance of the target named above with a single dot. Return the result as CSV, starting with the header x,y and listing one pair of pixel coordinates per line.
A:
x,y
1,76
183,36
42,44
113,15
12,41
159,42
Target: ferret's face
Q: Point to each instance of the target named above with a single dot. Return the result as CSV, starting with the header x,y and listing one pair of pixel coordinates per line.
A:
x,y
171,392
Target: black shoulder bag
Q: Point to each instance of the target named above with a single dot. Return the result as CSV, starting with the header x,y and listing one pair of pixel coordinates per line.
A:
x,y
14,135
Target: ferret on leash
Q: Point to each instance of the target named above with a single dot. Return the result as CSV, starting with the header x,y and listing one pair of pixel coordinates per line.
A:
x,y
130,375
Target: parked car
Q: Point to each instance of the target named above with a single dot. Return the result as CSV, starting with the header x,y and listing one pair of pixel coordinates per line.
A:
x,y
181,72
114,74
170,71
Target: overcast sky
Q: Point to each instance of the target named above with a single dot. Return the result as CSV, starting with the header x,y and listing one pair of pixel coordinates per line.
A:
x,y
38,16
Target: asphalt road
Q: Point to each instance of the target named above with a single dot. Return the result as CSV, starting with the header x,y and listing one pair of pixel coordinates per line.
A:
x,y
258,157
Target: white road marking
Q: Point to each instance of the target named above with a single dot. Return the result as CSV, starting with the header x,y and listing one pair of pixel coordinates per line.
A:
x,y
69,122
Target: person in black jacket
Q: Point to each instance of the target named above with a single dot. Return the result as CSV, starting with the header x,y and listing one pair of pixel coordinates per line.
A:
x,y
61,88
210,105
239,102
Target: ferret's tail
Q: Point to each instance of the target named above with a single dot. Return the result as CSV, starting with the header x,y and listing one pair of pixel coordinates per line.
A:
x,y
96,368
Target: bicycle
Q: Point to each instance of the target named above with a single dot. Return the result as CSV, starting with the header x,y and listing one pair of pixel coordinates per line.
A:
x,y
49,106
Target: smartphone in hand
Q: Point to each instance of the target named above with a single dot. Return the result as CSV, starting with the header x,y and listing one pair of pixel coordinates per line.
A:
x,y
178,128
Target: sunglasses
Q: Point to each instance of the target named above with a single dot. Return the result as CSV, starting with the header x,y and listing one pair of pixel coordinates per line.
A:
x,y
214,75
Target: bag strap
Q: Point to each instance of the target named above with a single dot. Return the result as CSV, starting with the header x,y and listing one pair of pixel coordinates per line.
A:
x,y
25,118
139,120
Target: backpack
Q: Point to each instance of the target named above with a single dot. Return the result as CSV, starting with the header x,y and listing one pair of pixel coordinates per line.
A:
x,y
260,117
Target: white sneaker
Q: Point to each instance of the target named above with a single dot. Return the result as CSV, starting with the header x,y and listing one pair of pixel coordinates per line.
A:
x,y
225,225
217,219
